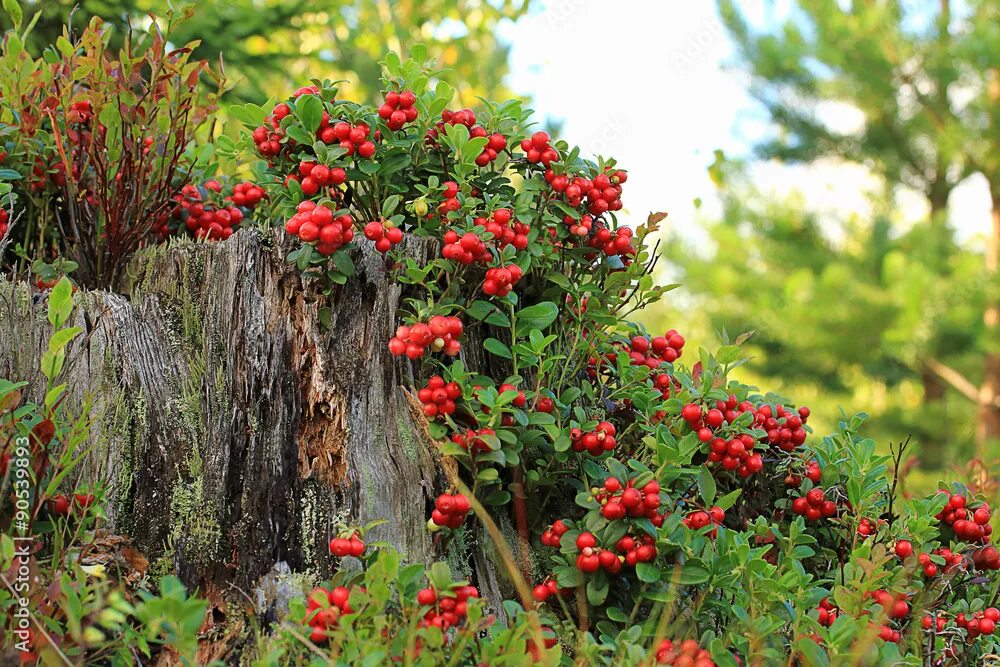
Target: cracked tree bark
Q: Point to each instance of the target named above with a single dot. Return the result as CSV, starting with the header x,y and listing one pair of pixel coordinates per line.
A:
x,y
231,431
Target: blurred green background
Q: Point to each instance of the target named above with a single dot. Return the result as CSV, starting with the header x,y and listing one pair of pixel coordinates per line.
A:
x,y
875,292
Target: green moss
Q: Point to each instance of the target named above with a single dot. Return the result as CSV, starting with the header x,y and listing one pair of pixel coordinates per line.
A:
x,y
407,438
310,524
190,523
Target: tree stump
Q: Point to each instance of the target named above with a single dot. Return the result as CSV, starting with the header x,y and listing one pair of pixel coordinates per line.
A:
x,y
231,429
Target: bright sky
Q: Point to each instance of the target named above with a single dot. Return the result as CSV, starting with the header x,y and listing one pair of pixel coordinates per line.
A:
x,y
653,84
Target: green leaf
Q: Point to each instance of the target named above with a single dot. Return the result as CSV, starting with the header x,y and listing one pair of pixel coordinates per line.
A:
x,y
309,109
52,364
616,614
568,576
440,576
597,589
60,302
13,9
647,572
728,354
538,316
9,175
727,501
495,347
706,485
812,654
344,263
298,134
61,338
389,205
694,572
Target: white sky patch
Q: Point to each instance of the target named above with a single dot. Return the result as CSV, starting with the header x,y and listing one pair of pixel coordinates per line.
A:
x,y
649,83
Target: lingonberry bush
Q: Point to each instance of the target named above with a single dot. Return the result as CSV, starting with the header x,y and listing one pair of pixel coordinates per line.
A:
x,y
672,509
98,145
663,512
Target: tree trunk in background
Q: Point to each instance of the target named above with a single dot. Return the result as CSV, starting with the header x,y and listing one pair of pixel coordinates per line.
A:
x,y
932,447
231,430
988,426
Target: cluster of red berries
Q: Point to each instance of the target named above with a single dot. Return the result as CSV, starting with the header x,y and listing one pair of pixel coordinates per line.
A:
x,y
440,334
504,231
538,149
448,608
268,140
247,194
495,142
318,225
952,561
826,612
895,605
698,519
61,505
619,501
637,550
591,557
449,201
596,442
204,219
312,177
465,249
80,112
736,454
687,653
439,397
611,243
579,227
969,525
980,623
268,136
473,440
814,505
904,549
888,633
450,510
500,280
4,217
643,351
384,234
324,608
354,138
784,427
552,535
398,109
938,622
986,558
867,527
347,546
603,193
549,588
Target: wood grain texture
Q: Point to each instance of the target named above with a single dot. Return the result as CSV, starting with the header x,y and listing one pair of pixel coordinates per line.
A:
x,y
230,429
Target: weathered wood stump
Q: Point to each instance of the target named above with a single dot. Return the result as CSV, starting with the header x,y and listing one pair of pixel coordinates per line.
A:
x,y
232,431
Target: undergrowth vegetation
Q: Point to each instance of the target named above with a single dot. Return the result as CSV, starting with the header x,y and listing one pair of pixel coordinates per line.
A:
x,y
665,512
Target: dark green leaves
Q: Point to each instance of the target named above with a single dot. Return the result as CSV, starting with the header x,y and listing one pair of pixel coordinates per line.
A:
x,y
495,347
538,316
309,109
